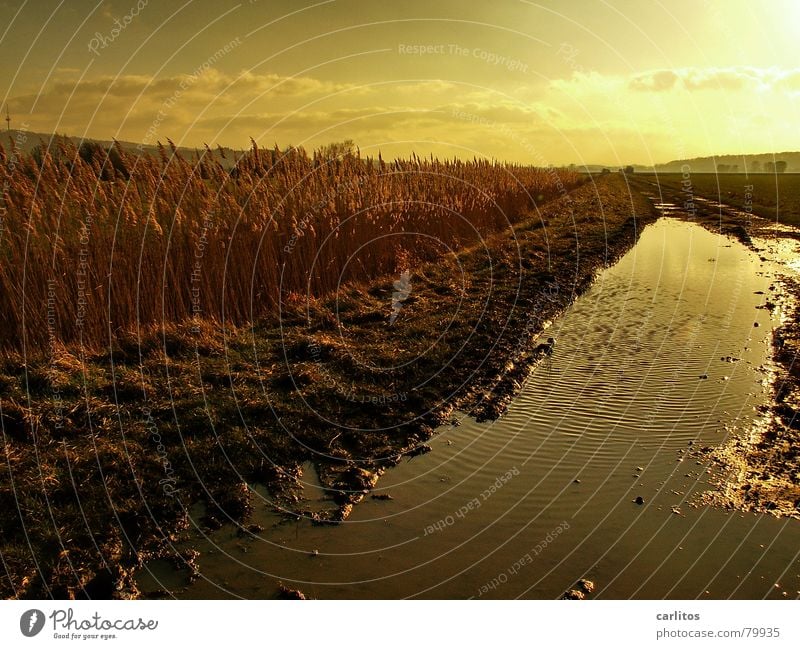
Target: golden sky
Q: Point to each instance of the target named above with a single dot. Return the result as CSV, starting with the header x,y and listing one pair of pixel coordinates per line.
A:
x,y
539,82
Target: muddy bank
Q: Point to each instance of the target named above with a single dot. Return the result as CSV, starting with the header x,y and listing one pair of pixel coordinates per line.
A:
x,y
760,468
105,454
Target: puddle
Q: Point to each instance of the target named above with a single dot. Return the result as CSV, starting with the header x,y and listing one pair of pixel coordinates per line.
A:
x,y
660,357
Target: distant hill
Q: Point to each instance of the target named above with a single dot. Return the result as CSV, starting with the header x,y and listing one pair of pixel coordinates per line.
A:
x,y
752,163
27,140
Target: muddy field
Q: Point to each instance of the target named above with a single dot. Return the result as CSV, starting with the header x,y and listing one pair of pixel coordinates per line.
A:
x,y
105,454
775,197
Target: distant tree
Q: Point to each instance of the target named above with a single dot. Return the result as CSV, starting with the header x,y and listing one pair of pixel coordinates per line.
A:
x,y
628,169
336,150
780,166
722,169
769,167
755,167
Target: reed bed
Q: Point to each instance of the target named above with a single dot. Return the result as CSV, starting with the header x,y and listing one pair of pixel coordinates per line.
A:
x,y
95,243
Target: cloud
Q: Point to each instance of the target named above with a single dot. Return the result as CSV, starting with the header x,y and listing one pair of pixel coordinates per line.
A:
x,y
659,80
725,79
217,104
732,78
275,84
205,86
586,116
427,87
374,117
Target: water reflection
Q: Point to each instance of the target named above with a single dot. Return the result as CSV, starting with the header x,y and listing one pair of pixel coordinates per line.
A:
x,y
590,474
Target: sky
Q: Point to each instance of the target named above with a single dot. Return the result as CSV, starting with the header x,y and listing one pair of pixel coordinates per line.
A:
x,y
569,82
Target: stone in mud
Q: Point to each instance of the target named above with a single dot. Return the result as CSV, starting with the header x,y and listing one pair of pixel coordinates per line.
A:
x,y
639,500
586,585
573,594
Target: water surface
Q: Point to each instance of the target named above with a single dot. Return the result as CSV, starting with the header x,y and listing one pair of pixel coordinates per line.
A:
x,y
666,353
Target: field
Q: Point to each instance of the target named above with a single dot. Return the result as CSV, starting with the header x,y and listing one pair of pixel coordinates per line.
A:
x,y
98,245
772,196
106,451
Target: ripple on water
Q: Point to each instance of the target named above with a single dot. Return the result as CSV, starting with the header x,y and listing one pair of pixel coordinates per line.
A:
x,y
608,418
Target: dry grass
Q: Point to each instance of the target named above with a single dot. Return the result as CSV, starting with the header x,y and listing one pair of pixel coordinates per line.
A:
x,y
97,246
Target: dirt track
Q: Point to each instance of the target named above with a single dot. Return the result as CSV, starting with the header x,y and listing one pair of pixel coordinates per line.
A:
x,y
104,455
